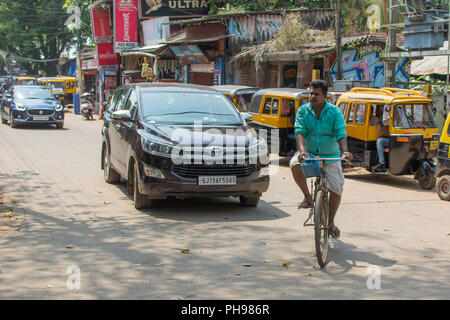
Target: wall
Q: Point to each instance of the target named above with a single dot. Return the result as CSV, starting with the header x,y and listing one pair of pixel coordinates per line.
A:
x,y
363,63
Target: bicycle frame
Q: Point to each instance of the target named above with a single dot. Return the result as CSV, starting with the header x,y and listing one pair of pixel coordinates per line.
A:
x,y
319,184
321,212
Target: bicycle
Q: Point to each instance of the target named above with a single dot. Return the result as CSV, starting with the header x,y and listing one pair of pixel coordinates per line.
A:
x,y
320,209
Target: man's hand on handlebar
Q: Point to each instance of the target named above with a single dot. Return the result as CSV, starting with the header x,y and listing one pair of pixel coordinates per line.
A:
x,y
348,156
302,156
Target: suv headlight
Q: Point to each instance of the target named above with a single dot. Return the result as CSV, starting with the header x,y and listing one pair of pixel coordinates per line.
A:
x,y
158,148
259,150
59,107
20,107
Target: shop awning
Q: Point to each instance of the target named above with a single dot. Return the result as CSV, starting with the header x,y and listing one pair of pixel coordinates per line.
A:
x,y
186,41
151,48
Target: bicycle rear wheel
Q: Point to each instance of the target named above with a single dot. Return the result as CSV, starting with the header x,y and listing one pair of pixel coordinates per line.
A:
x,y
321,218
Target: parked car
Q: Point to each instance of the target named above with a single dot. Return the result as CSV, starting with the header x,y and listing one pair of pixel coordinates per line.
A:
x,y
174,140
30,104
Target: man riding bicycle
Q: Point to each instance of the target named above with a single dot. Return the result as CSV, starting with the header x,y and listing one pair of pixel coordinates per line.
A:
x,y
320,131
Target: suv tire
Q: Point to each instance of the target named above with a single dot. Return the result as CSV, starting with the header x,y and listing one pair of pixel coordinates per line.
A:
x,y
249,201
110,175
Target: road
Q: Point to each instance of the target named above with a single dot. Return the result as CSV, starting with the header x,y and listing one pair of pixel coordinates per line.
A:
x,y
81,238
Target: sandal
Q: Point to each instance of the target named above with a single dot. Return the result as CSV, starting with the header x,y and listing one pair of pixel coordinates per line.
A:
x,y
334,232
305,204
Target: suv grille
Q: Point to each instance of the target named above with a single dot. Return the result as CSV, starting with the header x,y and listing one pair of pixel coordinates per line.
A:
x,y
193,171
37,112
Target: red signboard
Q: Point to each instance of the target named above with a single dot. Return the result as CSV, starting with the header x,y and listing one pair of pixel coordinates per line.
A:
x,y
101,25
106,55
125,24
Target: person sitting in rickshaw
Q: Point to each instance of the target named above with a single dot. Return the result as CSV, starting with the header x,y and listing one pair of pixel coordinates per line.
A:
x,y
383,137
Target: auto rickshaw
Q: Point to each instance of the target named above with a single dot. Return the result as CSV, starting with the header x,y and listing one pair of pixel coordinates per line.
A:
x,y
443,163
413,134
62,87
276,108
26,80
239,95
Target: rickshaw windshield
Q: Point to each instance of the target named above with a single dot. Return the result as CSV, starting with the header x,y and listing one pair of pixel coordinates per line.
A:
x,y
417,115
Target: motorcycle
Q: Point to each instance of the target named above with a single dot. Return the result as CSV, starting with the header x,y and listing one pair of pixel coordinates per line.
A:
x,y
87,106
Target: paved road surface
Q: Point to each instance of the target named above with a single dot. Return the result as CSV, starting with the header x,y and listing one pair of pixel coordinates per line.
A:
x,y
71,220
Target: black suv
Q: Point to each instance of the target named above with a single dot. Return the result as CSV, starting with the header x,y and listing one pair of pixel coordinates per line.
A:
x,y
174,140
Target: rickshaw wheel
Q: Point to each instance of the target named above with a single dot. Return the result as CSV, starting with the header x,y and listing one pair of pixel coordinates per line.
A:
x,y
443,188
426,179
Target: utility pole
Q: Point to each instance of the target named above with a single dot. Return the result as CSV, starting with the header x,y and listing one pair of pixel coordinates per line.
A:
x,y
8,57
338,40
391,46
80,85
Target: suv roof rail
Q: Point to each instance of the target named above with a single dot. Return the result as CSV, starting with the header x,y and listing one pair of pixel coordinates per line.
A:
x,y
372,90
405,91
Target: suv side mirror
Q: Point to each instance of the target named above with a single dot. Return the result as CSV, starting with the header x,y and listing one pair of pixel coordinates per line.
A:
x,y
248,118
122,115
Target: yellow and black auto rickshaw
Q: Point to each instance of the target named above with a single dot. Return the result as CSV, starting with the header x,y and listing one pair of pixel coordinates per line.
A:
x,y
62,87
443,163
26,80
275,109
239,95
413,134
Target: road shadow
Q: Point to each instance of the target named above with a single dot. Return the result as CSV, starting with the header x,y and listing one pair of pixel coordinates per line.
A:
x,y
342,257
36,126
209,209
401,182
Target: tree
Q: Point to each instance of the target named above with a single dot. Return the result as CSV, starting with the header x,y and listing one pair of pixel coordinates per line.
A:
x,y
36,29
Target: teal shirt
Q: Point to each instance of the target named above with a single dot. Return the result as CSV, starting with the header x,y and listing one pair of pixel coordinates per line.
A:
x,y
321,135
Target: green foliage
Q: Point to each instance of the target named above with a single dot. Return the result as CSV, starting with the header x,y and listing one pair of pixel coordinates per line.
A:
x,y
418,83
36,29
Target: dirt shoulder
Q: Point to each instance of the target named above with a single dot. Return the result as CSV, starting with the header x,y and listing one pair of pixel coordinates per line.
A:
x,y
10,221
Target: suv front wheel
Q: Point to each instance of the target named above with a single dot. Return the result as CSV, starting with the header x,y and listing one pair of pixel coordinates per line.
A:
x,y
141,201
249,201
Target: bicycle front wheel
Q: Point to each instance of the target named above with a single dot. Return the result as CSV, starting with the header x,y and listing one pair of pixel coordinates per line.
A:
x,y
321,218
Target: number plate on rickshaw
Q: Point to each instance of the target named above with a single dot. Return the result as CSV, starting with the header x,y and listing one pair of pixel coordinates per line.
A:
x,y
434,145
216,180
40,118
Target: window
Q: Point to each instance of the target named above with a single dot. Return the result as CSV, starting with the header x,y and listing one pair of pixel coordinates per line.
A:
x,y
267,106
342,106
121,101
350,113
304,101
286,106
413,116
275,107
131,104
360,113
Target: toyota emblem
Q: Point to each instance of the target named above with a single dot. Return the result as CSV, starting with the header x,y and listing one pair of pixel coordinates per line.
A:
x,y
216,151
41,112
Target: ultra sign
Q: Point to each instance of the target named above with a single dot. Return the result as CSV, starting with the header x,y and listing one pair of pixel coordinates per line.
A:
x,y
163,8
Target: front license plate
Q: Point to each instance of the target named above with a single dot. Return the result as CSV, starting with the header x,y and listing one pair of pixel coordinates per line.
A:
x,y
40,118
434,145
216,180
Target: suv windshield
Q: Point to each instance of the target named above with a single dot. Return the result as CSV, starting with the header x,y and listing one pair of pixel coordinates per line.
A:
x,y
33,93
186,108
413,116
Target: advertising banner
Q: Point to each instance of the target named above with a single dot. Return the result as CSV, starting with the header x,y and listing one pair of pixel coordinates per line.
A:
x,y
125,25
155,30
101,25
167,8
106,55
